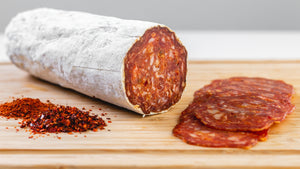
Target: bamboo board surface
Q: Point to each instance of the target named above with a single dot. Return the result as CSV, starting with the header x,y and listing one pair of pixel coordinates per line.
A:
x,y
131,141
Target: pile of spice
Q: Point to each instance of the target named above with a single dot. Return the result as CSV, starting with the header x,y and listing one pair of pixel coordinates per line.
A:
x,y
50,118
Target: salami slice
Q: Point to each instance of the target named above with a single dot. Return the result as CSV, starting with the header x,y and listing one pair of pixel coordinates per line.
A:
x,y
192,131
137,65
244,104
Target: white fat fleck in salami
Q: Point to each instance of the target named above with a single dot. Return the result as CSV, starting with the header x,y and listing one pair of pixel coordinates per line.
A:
x,y
218,116
103,57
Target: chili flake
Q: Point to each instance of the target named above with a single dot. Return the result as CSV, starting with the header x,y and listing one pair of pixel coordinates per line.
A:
x,y
49,118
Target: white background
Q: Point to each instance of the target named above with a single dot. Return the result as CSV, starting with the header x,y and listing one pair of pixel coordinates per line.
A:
x,y
233,45
210,29
179,14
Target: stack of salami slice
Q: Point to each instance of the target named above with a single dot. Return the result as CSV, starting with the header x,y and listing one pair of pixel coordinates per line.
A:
x,y
235,112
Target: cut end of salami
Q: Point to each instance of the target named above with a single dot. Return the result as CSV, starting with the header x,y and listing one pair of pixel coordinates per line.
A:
x,y
155,70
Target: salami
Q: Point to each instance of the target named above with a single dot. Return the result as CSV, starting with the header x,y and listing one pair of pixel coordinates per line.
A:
x,y
192,131
244,104
137,65
235,112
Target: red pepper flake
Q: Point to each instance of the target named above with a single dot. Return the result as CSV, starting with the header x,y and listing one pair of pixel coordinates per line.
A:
x,y
109,121
58,137
17,130
42,117
30,137
83,108
90,110
6,127
75,136
84,136
100,109
102,114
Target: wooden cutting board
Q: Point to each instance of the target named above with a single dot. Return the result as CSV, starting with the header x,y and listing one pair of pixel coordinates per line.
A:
x,y
131,141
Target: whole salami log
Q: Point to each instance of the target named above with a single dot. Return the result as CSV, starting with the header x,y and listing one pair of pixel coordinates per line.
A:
x,y
137,65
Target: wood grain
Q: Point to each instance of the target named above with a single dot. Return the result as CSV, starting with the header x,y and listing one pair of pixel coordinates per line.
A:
x,y
131,141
